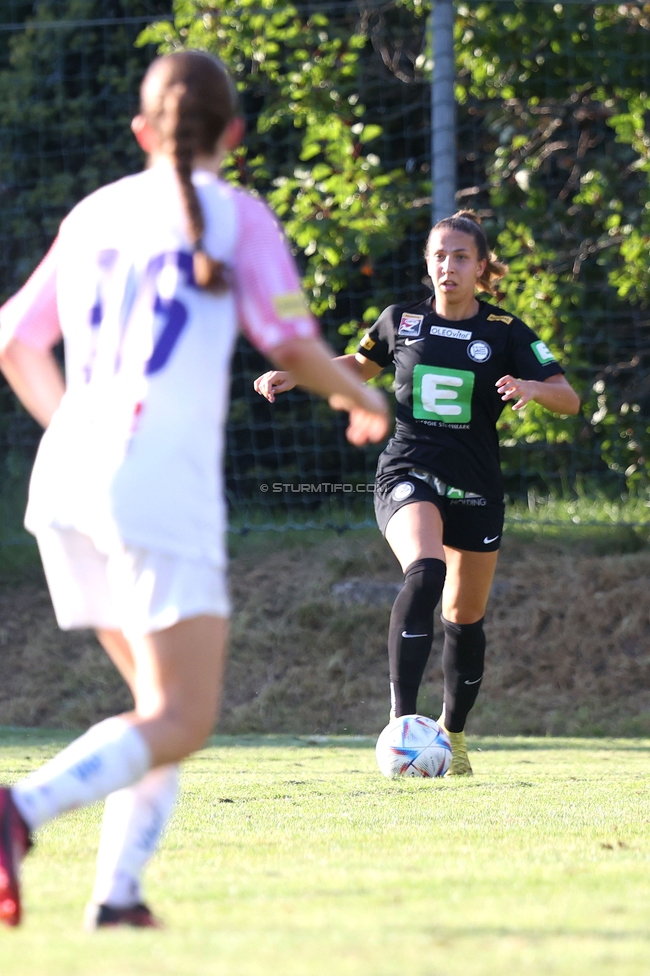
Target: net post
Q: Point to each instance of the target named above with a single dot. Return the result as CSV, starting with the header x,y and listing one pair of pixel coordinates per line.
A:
x,y
443,112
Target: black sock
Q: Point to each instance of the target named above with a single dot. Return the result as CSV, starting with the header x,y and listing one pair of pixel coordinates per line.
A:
x,y
412,615
463,657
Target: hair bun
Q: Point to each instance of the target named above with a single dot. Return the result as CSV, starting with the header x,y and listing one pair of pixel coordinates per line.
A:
x,y
469,215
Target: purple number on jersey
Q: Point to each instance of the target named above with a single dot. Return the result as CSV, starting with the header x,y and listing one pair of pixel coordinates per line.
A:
x,y
106,261
174,312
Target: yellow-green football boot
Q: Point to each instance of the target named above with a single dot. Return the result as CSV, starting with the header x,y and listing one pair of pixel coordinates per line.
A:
x,y
460,764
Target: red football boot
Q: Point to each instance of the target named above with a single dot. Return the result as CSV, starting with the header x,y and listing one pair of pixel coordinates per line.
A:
x,y
14,844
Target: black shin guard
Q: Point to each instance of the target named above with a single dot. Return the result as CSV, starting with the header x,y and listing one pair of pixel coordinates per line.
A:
x,y
463,657
411,631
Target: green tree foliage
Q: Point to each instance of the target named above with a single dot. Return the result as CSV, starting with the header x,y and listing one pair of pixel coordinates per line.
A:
x,y
67,95
564,148
339,204
560,170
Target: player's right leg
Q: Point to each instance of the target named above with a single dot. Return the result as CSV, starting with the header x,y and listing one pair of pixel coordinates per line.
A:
x,y
111,755
15,841
178,679
414,533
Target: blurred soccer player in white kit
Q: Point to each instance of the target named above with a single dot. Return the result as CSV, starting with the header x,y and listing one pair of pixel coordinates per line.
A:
x,y
146,283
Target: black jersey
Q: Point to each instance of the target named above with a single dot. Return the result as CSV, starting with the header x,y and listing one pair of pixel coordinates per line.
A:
x,y
445,375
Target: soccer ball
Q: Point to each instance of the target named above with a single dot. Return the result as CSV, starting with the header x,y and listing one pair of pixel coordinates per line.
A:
x,y
413,745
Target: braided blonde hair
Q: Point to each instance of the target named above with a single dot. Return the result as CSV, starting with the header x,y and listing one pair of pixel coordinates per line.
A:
x,y
188,99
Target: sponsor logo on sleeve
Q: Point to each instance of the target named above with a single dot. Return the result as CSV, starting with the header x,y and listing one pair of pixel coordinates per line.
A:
x,y
543,353
441,394
479,351
457,494
291,305
367,342
410,325
445,333
500,318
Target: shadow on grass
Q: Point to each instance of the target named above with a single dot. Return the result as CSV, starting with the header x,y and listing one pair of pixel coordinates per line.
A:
x,y
537,935
11,735
487,743
295,741
484,743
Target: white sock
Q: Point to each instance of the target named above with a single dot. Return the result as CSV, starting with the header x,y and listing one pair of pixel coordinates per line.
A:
x,y
108,757
134,819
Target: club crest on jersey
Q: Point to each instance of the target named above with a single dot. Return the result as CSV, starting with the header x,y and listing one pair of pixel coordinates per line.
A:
x,y
479,351
410,325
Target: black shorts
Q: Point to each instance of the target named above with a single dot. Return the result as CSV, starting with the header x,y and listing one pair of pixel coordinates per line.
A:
x,y
470,522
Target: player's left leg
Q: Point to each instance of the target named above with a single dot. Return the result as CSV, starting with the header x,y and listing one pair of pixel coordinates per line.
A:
x,y
133,822
132,826
464,599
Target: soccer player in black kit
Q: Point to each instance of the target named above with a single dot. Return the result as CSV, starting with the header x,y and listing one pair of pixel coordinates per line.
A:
x,y
439,491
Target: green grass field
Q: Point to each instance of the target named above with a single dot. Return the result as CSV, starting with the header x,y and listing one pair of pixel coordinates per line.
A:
x,y
294,857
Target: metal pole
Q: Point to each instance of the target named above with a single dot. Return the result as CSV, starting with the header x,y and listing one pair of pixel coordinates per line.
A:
x,y
443,112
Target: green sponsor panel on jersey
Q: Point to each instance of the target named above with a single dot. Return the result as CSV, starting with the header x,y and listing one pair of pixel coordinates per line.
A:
x,y
542,352
442,394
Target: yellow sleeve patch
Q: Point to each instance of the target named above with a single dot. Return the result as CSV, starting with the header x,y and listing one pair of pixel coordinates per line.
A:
x,y
500,318
367,342
290,305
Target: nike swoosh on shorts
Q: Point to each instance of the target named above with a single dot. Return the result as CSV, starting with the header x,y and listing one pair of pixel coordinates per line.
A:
x,y
486,541
474,682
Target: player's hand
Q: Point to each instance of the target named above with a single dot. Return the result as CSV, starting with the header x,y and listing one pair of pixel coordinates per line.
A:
x,y
273,382
370,423
524,390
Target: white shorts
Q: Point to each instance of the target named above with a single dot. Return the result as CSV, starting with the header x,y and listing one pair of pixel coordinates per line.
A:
x,y
135,590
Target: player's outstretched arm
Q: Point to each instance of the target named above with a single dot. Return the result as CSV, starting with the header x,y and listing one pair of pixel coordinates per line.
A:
x,y
554,393
309,363
277,381
35,377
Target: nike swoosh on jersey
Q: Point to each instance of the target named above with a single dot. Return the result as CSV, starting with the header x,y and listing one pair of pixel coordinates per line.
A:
x,y
409,342
404,634
486,541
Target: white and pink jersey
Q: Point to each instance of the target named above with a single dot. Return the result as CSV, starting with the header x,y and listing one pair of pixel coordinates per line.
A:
x,y
134,454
